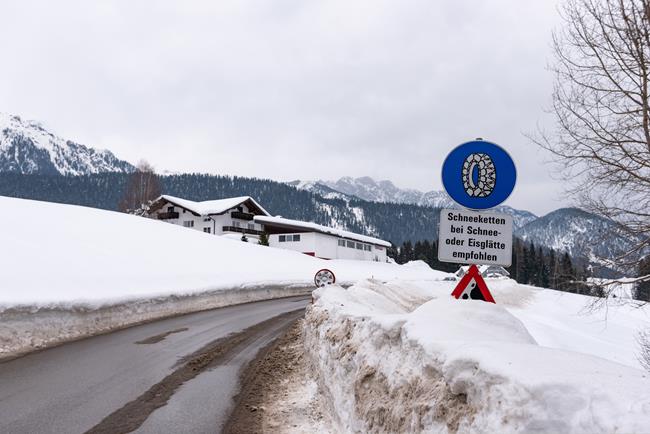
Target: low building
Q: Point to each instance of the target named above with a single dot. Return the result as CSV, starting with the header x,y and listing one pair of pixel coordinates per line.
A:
x,y
224,216
236,216
485,270
321,241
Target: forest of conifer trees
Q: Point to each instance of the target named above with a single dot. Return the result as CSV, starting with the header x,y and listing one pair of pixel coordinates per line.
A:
x,y
531,265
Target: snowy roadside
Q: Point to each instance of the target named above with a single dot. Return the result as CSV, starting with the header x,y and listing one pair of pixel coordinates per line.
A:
x,y
395,357
25,330
279,394
90,271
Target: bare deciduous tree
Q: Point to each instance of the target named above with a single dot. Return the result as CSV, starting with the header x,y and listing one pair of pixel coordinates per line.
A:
x,y
142,187
602,113
643,339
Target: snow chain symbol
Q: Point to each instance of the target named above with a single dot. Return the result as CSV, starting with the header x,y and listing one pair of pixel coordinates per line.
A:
x,y
487,175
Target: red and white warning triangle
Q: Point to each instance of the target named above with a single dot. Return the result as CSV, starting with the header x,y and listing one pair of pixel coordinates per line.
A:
x,y
472,286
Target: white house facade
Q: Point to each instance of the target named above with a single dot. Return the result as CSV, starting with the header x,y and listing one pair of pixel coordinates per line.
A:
x,y
243,215
321,241
224,216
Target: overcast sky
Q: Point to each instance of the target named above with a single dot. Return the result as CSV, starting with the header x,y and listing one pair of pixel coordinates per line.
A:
x,y
288,89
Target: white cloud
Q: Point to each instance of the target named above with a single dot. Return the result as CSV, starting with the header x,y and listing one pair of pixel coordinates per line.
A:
x,y
287,89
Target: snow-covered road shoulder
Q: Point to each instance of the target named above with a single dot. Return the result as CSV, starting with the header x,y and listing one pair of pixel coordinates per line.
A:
x,y
83,271
399,358
25,329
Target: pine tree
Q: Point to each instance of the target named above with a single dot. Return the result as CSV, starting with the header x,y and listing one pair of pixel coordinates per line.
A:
x,y
533,264
552,267
543,279
393,252
567,275
525,267
515,260
406,253
264,239
642,290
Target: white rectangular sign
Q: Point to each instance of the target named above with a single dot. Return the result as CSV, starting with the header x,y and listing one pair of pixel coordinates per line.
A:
x,y
469,237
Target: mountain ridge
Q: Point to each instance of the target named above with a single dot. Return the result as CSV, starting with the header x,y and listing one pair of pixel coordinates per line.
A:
x,y
384,191
27,147
30,155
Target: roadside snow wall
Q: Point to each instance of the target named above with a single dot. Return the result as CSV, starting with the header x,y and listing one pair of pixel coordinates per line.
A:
x,y
388,360
25,329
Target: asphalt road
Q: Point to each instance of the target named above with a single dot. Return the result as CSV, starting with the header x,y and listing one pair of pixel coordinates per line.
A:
x,y
74,387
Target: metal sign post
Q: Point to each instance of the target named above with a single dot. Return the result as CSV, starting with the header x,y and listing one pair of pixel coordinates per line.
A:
x,y
477,175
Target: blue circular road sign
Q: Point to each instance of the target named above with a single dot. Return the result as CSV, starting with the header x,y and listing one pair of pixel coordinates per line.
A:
x,y
479,174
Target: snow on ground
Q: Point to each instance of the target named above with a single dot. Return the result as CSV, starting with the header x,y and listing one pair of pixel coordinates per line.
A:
x,y
394,357
64,267
70,255
619,288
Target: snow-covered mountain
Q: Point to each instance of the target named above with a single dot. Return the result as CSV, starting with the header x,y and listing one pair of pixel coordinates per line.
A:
x,y
385,191
581,234
27,147
320,189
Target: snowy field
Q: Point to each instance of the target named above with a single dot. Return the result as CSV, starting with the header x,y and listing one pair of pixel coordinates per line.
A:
x,y
70,271
406,357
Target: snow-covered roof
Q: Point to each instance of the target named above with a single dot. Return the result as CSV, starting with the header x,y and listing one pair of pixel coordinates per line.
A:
x,y
313,227
209,207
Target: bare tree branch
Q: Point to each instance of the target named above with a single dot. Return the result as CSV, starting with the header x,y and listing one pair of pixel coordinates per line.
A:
x,y
601,106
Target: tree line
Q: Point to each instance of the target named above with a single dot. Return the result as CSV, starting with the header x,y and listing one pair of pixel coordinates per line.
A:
x,y
531,265
121,191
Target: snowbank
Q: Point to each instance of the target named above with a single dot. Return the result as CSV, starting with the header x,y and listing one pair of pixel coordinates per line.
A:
x,y
69,271
25,330
408,358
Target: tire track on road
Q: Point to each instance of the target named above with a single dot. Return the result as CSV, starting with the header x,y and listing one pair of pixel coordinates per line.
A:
x,y
133,414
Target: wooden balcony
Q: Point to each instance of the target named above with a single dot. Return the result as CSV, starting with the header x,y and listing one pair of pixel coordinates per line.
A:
x,y
241,215
167,215
242,230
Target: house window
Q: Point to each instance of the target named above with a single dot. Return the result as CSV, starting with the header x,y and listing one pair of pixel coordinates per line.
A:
x,y
342,243
236,224
206,230
350,244
296,237
367,247
251,226
184,210
283,238
359,246
188,223
170,209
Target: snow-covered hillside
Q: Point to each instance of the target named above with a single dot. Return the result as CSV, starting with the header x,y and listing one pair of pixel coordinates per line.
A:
x,y
581,234
27,147
396,357
57,254
70,271
368,189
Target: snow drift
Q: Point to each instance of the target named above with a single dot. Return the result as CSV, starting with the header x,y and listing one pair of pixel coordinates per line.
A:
x,y
70,271
390,357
